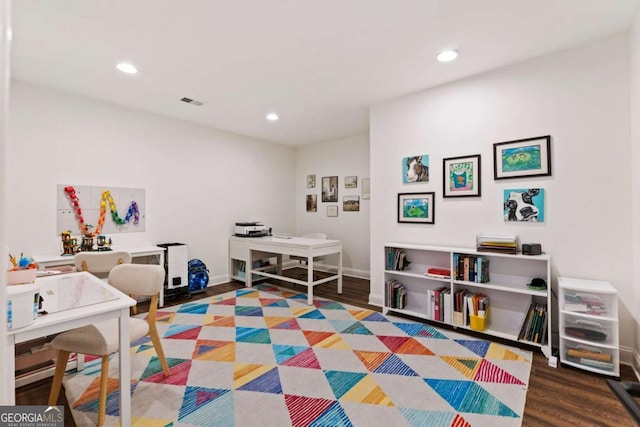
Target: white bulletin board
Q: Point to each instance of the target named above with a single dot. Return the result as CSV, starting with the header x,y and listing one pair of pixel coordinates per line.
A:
x,y
89,198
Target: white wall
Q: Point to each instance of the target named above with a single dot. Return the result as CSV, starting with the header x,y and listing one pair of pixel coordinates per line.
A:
x,y
6,367
635,160
344,157
581,98
199,181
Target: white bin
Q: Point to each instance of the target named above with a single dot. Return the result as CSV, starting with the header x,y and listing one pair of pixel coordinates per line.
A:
x,y
22,305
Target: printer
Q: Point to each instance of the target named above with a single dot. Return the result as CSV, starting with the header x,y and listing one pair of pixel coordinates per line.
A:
x,y
251,229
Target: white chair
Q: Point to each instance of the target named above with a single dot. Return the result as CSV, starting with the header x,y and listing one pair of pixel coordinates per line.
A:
x,y
100,263
102,339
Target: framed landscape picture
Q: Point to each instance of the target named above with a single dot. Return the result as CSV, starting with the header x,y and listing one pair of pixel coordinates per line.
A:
x,y
461,176
351,203
522,158
416,208
350,182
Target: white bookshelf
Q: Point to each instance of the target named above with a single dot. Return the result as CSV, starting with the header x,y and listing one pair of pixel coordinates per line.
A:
x,y
509,295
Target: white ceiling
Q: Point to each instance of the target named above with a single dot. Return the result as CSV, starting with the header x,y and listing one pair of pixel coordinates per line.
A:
x,y
319,64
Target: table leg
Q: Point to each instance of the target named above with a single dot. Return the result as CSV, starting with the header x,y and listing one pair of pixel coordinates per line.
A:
x,y
340,272
247,270
310,280
125,369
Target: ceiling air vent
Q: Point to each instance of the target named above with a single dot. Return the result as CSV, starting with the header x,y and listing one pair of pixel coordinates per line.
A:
x,y
192,101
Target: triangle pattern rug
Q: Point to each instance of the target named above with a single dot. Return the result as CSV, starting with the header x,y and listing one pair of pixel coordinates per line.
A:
x,y
262,356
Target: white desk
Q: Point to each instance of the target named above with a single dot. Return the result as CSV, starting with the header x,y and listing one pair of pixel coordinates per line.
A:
x,y
262,247
56,260
74,300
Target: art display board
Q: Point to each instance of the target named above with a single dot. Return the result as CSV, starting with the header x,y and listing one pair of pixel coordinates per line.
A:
x,y
89,200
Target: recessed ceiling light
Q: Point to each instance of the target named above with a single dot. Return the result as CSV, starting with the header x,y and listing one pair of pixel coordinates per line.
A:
x,y
272,117
447,55
127,68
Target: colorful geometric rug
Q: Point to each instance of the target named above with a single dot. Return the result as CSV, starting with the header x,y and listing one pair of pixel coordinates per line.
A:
x,y
262,357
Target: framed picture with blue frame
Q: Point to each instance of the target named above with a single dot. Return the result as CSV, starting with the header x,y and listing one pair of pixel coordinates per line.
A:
x,y
416,208
522,158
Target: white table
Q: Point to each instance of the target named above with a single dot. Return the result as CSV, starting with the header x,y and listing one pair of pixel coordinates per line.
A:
x,y
74,300
56,260
261,247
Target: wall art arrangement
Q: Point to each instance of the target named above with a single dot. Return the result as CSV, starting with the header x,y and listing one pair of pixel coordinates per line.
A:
x,y
461,176
524,205
415,168
312,203
332,210
311,181
351,203
416,208
330,189
82,210
350,182
522,158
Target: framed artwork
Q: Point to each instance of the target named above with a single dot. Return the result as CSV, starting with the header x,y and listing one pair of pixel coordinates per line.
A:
x,y
461,176
415,168
522,158
330,189
524,205
312,203
366,188
416,208
311,181
332,210
351,203
350,182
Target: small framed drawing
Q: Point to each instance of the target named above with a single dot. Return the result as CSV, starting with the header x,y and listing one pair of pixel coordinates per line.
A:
x,y
415,168
330,189
350,182
311,181
366,189
332,210
351,203
522,158
312,203
461,176
524,205
416,207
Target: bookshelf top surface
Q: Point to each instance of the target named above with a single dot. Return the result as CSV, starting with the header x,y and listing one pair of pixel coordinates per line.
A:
x,y
463,250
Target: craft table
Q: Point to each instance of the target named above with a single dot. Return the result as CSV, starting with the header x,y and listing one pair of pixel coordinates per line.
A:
x,y
74,300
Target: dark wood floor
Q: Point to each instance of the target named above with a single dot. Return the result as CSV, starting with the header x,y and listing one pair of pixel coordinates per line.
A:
x,y
556,397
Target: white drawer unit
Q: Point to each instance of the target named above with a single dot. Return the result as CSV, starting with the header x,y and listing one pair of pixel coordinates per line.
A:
x,y
589,325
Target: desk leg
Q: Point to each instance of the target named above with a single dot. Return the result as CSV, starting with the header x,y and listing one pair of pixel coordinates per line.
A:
x,y
8,392
340,273
247,270
310,280
161,264
125,369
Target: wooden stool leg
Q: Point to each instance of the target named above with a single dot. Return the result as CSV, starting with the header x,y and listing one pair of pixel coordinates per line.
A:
x,y
104,374
61,367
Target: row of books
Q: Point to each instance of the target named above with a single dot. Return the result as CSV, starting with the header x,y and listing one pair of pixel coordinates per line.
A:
x,y
467,303
396,259
497,244
471,268
534,327
396,294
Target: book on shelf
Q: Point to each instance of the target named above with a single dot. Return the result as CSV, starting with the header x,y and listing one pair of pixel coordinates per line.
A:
x,y
471,268
396,294
534,326
397,259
